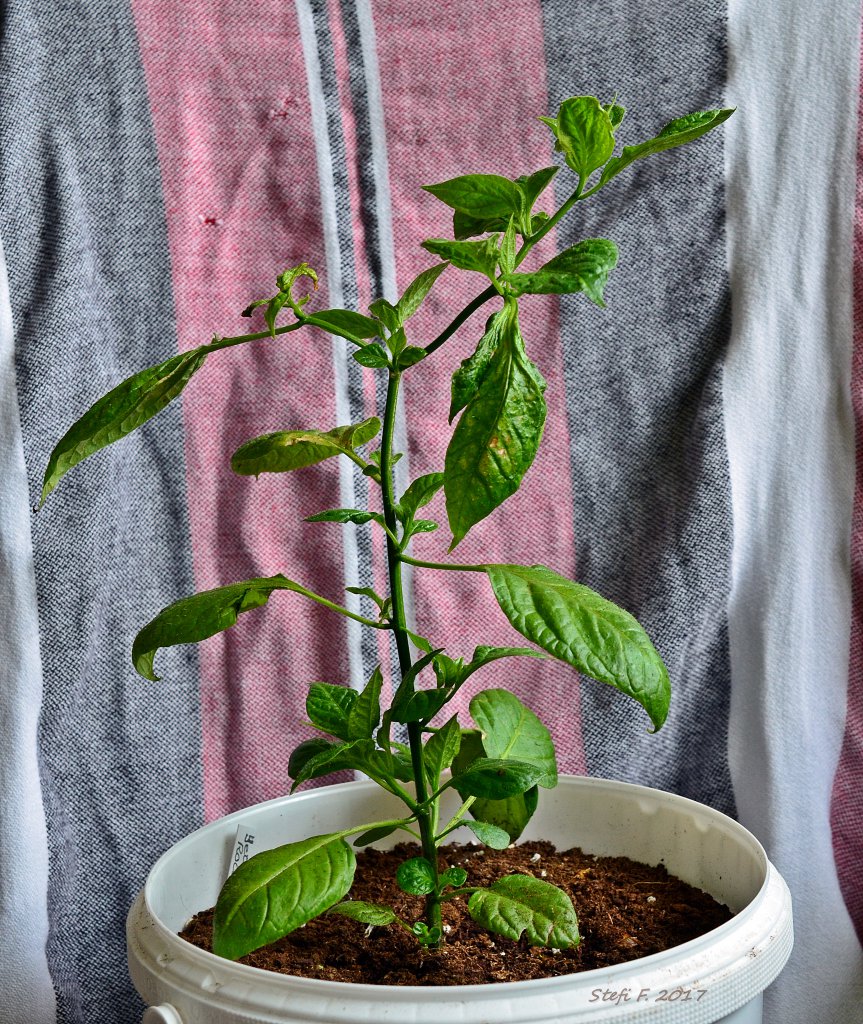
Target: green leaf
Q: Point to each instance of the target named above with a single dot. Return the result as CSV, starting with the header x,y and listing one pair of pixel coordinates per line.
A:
x,y
479,256
507,248
303,753
517,905
365,714
411,355
426,936
485,655
416,876
440,750
328,708
373,356
511,730
497,778
373,914
387,313
345,323
200,616
533,185
488,834
421,706
375,834
419,494
582,268
576,625
370,593
285,450
388,765
480,195
497,436
510,815
336,758
675,133
405,690
252,306
615,114
420,642
289,277
584,133
345,515
464,226
417,290
274,307
424,526
472,372
120,412
277,891
453,877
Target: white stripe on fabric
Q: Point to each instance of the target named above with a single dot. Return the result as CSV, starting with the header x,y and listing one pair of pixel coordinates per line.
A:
x,y
790,175
384,217
26,990
327,186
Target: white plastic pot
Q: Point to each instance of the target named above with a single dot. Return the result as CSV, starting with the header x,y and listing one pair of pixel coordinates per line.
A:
x,y
718,977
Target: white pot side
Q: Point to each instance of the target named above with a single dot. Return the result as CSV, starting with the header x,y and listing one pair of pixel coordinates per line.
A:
x,y
718,977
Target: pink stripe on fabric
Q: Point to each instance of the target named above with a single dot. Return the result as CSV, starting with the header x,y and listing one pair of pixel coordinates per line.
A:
x,y
462,86
846,811
227,86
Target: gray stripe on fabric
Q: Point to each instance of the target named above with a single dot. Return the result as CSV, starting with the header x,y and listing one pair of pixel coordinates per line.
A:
x,y
82,219
26,989
376,214
652,514
341,288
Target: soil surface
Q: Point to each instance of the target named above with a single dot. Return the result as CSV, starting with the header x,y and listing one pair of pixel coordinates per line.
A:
x,y
625,911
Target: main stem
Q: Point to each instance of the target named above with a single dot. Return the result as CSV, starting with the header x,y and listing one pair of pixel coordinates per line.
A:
x,y
425,814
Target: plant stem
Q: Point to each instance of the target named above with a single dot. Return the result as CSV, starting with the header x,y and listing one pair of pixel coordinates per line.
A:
x,y
426,817
458,566
529,243
468,311
339,608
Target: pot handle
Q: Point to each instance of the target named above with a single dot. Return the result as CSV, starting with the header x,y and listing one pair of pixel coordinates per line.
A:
x,y
164,1013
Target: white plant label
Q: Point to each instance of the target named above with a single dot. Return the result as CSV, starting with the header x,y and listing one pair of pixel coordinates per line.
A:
x,y
243,848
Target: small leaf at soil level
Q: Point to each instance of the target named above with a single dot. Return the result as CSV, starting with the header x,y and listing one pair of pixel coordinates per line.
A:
x,y
120,412
519,904
416,876
576,625
285,450
276,891
375,914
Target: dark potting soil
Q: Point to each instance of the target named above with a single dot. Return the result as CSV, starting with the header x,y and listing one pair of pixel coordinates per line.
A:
x,y
625,911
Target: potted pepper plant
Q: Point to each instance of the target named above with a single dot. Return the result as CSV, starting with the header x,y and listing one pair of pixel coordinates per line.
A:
x,y
430,775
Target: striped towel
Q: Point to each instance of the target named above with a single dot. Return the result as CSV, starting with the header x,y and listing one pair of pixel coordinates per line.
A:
x,y
161,160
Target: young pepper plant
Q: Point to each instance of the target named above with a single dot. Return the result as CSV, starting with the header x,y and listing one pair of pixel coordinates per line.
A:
x,y
497,765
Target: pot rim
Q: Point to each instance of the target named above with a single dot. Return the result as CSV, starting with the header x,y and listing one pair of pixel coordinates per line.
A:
x,y
475,991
